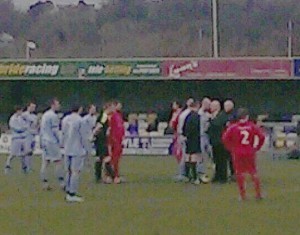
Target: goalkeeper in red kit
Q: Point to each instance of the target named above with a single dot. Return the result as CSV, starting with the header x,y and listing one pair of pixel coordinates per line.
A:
x,y
243,139
116,136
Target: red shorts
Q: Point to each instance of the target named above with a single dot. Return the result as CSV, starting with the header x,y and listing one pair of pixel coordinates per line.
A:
x,y
244,164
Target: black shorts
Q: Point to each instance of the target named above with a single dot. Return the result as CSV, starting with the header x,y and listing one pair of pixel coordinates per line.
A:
x,y
101,148
193,146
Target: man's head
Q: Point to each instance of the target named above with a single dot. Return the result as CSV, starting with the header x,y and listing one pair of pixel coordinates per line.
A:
x,y
195,106
109,107
243,114
176,105
119,106
228,106
77,109
92,109
55,104
31,107
189,102
205,103
18,110
105,107
215,106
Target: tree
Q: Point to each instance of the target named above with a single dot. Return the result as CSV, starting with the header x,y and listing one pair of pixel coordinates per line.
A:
x,y
144,28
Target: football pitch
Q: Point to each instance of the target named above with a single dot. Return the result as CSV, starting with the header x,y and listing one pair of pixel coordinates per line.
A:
x,y
151,203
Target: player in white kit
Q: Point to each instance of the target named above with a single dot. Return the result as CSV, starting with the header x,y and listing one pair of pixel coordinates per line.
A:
x,y
50,143
89,124
64,135
206,152
76,145
32,130
18,129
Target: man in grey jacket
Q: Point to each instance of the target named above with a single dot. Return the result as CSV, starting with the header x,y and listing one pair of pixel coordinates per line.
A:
x,y
76,149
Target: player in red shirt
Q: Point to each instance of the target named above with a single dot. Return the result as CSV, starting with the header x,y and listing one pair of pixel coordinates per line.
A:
x,y
173,123
116,136
243,139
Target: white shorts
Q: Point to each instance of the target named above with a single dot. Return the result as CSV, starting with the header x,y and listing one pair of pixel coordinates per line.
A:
x,y
205,144
51,152
18,147
29,144
183,149
89,148
74,163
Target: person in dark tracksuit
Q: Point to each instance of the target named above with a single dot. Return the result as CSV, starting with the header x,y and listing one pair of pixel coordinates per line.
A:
x,y
217,125
192,132
231,116
101,144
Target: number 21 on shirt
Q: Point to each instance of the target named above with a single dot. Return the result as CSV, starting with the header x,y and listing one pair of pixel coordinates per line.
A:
x,y
245,138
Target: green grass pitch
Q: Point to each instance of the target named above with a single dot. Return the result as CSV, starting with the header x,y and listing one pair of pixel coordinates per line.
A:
x,y
151,203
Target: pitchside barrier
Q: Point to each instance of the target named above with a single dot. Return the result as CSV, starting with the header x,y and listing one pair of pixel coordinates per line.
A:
x,y
277,144
281,138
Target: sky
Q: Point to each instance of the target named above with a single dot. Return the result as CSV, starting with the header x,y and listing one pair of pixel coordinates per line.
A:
x,y
24,4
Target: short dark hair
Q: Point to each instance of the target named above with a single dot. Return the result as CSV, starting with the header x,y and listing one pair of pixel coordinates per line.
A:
x,y
53,100
75,107
195,104
107,104
116,102
90,106
18,108
242,113
31,102
178,103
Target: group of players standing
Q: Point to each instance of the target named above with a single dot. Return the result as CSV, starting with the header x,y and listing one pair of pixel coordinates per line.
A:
x,y
203,130
68,142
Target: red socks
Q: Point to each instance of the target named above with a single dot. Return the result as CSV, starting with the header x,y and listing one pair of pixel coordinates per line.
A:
x,y
115,163
256,183
241,184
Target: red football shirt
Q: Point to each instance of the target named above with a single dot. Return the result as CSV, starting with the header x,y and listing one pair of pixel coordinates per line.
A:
x,y
243,138
116,124
175,119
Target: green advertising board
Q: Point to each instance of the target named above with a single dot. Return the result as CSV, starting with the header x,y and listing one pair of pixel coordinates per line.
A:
x,y
112,69
25,69
76,69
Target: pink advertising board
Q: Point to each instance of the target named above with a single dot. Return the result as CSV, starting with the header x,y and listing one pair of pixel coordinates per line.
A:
x,y
227,69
